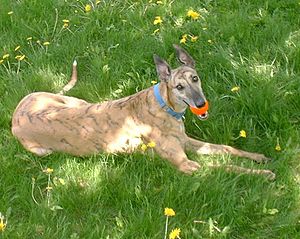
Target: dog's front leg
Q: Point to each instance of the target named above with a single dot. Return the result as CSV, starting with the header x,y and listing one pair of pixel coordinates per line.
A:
x,y
171,149
207,148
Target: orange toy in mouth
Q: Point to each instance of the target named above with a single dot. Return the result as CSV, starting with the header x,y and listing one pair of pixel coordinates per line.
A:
x,y
200,111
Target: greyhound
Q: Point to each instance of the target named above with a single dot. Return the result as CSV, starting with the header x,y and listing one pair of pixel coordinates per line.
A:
x,y
45,122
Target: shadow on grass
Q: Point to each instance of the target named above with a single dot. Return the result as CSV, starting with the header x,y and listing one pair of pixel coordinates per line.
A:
x,y
123,196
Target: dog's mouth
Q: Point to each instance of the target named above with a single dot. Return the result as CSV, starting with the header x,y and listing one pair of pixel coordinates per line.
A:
x,y
203,116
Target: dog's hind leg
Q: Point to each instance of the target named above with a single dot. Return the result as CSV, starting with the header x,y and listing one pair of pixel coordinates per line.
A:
x,y
36,148
237,169
40,151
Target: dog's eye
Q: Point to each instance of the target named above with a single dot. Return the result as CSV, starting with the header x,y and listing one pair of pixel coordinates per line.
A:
x,y
195,78
179,87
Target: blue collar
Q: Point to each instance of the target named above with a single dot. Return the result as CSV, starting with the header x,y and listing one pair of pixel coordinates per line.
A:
x,y
163,105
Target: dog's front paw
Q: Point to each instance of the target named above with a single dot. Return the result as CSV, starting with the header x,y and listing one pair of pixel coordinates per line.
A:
x,y
260,158
189,166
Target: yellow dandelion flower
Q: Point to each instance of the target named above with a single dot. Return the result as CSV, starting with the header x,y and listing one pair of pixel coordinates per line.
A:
x,y
175,233
49,188
169,212
29,38
17,48
48,170
278,147
183,39
192,14
5,56
2,223
155,31
204,28
235,89
144,147
243,134
159,2
98,1
194,38
46,43
66,23
209,41
88,8
38,42
157,20
62,181
10,13
20,57
153,82
151,144
1,61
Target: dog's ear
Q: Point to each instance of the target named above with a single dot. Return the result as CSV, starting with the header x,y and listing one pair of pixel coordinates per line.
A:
x,y
162,68
183,57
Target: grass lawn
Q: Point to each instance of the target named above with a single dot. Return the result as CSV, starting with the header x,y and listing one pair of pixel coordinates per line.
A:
x,y
248,57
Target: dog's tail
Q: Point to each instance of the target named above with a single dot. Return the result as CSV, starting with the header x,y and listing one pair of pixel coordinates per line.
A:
x,y
73,80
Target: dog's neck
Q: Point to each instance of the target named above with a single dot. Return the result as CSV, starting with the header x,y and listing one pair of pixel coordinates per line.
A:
x,y
166,94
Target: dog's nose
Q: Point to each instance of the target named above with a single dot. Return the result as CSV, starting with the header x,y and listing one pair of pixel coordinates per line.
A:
x,y
200,103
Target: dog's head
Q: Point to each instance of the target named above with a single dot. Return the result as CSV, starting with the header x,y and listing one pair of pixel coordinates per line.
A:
x,y
183,83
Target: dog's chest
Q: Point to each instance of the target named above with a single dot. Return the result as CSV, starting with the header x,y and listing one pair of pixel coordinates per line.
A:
x,y
127,136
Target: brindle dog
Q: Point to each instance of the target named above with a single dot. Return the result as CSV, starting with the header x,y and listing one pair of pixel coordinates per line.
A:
x,y
45,122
